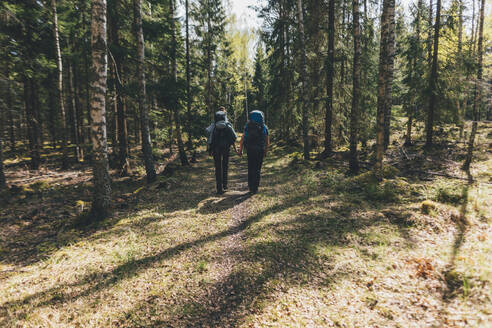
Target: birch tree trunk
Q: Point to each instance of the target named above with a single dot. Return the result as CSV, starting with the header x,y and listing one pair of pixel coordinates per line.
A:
x,y
354,113
303,77
182,153
144,115
477,92
99,71
330,61
59,94
433,79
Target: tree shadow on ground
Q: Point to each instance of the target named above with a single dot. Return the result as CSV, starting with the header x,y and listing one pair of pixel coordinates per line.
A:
x,y
289,257
45,221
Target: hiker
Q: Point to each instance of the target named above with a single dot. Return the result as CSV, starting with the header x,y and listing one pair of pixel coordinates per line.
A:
x,y
221,137
256,140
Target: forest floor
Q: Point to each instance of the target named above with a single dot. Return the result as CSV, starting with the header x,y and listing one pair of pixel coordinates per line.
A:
x,y
314,248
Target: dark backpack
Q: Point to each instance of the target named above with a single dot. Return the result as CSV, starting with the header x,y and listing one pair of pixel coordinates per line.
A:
x,y
220,138
255,135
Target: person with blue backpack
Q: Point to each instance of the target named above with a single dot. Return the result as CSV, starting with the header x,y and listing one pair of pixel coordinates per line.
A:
x,y
221,137
256,140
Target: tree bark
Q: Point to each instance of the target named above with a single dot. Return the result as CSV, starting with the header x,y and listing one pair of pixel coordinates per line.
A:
x,y
390,60
429,35
433,79
78,111
303,77
122,130
188,78
416,60
354,113
385,66
142,106
460,109
59,94
3,183
32,121
182,153
102,181
10,116
73,108
477,92
330,61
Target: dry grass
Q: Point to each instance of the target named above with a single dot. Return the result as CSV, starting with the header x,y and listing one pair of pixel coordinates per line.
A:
x,y
313,249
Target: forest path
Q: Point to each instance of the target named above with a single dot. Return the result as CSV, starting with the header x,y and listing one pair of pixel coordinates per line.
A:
x,y
222,297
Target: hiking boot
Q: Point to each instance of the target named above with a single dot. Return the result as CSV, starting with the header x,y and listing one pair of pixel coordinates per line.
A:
x,y
220,192
225,188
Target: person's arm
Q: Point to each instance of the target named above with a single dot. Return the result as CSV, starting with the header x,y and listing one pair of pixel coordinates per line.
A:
x,y
241,145
267,143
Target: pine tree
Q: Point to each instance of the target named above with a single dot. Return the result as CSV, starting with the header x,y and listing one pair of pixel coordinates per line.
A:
x,y
102,181
433,79
476,92
114,20
142,106
330,65
354,113
385,80
303,77
59,85
175,104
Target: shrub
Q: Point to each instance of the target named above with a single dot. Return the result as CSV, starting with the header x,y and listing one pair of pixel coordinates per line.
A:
x,y
428,206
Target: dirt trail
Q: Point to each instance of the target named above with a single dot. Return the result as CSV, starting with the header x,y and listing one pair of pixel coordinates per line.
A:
x,y
222,298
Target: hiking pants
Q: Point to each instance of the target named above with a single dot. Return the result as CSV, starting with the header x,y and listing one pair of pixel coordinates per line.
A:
x,y
255,161
221,159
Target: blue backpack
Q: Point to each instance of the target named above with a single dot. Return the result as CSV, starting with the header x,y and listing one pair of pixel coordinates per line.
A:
x,y
255,136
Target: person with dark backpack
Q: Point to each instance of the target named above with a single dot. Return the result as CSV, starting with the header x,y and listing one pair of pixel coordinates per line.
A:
x,y
256,140
222,137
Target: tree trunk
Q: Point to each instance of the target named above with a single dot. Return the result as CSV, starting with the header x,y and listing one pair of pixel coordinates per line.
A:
x,y
102,181
330,60
59,94
78,112
3,183
459,108
429,35
32,121
354,113
303,77
182,153
209,67
73,109
188,78
413,106
122,130
477,92
433,79
385,79
10,116
142,106
390,60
